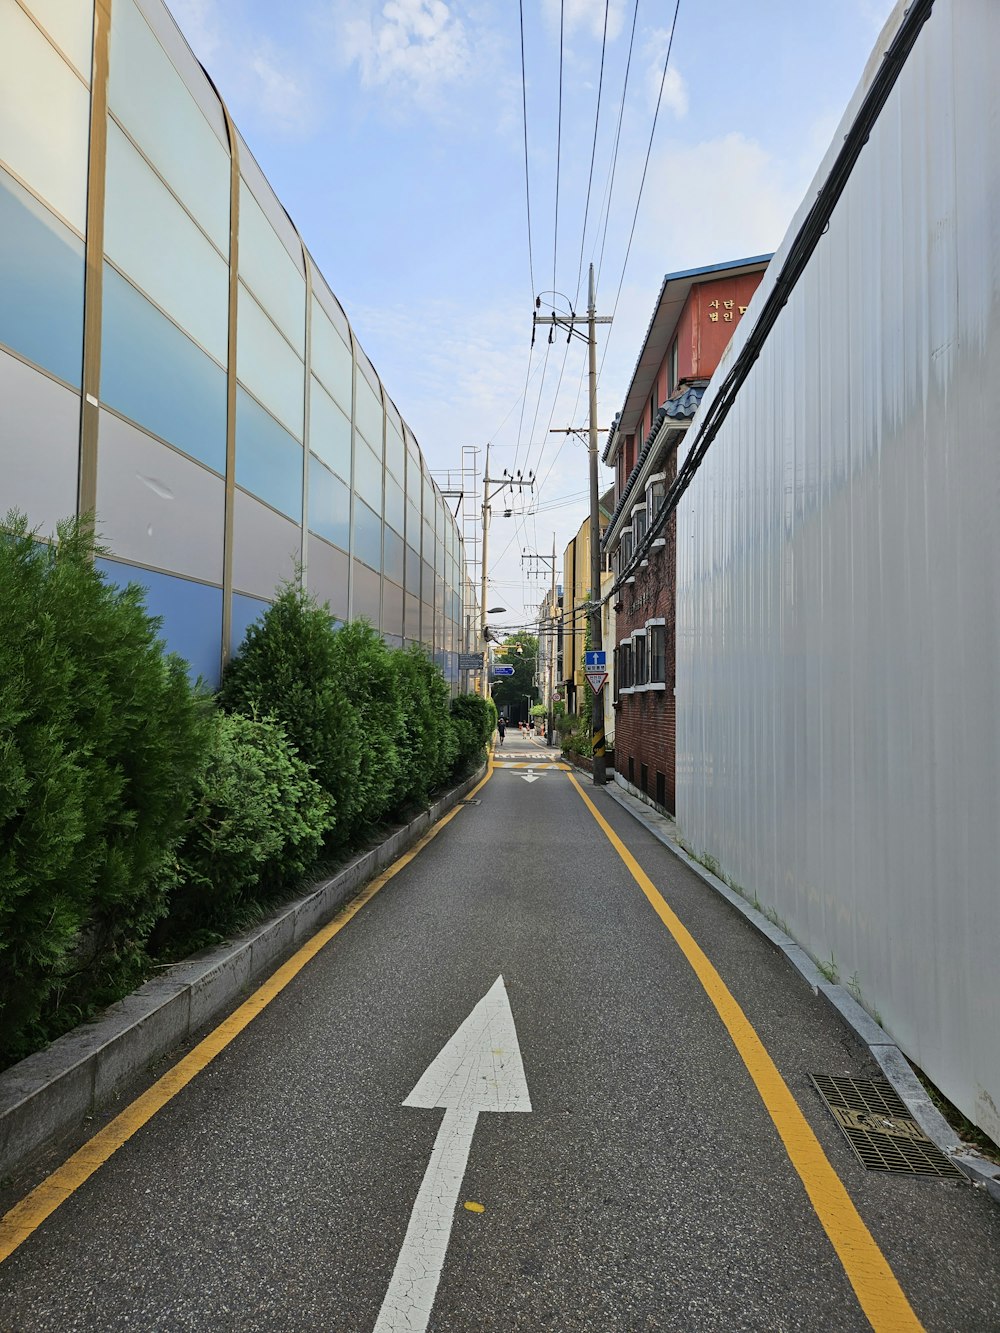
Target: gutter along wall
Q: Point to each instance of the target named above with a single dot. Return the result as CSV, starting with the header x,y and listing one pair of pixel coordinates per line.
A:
x,y
838,674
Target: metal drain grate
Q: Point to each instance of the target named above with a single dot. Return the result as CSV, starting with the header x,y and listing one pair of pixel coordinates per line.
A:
x,y
473,800
880,1129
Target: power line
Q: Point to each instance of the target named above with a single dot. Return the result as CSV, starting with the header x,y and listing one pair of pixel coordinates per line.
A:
x,y
799,253
524,115
645,166
593,153
606,207
555,245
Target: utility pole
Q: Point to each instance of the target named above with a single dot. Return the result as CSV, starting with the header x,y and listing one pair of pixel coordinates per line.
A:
x,y
553,641
569,322
550,562
516,482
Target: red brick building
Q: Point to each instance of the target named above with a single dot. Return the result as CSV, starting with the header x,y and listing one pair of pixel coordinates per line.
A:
x,y
694,318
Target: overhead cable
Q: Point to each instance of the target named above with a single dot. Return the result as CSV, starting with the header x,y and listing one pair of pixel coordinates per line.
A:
x,y
645,165
799,253
593,153
527,187
555,245
609,189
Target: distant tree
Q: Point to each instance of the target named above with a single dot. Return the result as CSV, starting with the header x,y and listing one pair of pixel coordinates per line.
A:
x,y
522,654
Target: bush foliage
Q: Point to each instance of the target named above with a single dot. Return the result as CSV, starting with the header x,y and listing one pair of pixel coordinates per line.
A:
x,y
363,665
474,719
428,745
101,735
256,824
135,817
289,668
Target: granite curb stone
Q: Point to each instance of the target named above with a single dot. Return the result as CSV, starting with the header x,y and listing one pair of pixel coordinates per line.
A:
x,y
54,1090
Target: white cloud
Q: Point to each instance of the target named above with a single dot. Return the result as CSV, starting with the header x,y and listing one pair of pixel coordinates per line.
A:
x,y
674,88
415,47
716,200
588,15
261,84
281,97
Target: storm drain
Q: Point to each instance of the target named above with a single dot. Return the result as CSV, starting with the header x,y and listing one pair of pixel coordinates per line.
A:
x,y
472,800
880,1129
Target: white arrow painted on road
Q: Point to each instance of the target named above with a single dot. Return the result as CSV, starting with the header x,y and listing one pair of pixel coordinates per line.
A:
x,y
531,775
479,1069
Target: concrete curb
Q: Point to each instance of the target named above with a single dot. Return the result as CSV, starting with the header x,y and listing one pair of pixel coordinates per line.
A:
x,y
889,1057
52,1092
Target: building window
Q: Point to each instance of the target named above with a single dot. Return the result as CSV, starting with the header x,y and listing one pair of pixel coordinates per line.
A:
x,y
657,640
638,526
655,495
639,660
625,550
624,681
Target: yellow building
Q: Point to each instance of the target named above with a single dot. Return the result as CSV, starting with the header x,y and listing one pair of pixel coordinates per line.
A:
x,y
576,609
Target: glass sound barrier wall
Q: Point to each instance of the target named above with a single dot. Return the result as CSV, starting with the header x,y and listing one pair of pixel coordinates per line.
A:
x,y
172,359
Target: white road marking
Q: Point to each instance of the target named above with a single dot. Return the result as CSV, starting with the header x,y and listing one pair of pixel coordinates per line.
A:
x,y
531,776
478,1069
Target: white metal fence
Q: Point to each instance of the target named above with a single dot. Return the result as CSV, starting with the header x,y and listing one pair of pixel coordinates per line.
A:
x,y
838,683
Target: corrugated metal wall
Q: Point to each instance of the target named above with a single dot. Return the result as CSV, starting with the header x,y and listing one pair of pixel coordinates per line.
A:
x,y
838,611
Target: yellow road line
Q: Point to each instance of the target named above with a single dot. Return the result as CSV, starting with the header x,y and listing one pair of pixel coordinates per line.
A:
x,y
25,1217
541,764
875,1284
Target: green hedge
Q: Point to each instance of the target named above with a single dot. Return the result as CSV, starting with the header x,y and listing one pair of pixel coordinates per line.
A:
x,y
136,820
428,744
101,735
256,824
474,719
290,669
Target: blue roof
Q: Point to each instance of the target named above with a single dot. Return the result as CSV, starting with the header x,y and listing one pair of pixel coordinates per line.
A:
x,y
682,408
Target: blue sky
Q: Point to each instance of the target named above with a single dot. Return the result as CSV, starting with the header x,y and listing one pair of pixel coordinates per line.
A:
x,y
392,132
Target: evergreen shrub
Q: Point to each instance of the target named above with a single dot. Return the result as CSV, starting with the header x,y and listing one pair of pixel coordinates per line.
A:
x,y
363,664
256,824
289,668
101,735
428,745
474,719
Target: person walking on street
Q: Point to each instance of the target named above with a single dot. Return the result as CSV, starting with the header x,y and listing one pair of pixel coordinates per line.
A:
x,y
501,728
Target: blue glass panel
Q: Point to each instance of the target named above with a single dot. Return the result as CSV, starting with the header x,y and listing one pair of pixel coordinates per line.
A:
x,y
41,284
268,459
329,430
367,535
191,614
412,571
245,611
154,374
367,475
329,505
393,506
392,556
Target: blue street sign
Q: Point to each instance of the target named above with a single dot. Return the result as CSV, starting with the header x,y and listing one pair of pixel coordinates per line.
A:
x,y
503,671
595,659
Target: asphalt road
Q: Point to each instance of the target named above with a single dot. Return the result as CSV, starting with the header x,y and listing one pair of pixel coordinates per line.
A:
x,y
647,1188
